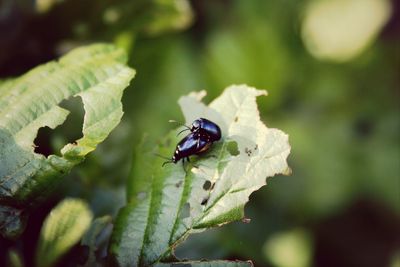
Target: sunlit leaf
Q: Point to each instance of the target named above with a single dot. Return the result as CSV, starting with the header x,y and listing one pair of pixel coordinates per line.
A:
x,y
167,204
63,228
98,75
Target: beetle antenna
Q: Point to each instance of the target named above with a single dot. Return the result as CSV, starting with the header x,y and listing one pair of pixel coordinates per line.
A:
x,y
166,162
180,123
182,131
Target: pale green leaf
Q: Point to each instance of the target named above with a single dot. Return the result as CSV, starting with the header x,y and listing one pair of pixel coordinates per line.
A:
x,y
167,204
98,75
63,228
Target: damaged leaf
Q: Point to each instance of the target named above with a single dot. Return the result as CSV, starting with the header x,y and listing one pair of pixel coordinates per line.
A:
x,y
165,205
98,75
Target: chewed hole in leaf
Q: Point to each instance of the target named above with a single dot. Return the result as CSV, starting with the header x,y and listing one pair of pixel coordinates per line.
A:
x,y
204,201
207,185
232,148
49,141
72,126
185,212
98,74
42,143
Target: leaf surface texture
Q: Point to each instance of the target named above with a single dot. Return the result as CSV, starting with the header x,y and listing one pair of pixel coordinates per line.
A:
x,y
98,75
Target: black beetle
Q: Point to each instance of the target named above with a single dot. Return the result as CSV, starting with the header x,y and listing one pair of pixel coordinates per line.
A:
x,y
192,144
204,127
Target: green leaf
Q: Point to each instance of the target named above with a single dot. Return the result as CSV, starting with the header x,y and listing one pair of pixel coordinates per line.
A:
x,y
167,204
97,74
63,228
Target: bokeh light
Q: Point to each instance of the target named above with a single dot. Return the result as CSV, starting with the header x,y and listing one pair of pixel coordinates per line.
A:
x,y
339,30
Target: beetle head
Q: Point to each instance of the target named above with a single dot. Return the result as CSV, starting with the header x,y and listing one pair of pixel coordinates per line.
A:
x,y
195,125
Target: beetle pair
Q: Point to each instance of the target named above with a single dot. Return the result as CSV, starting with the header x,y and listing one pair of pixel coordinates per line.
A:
x,y
203,133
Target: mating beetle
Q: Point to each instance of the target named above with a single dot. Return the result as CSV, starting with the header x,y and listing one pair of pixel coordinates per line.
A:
x,y
203,133
192,144
204,127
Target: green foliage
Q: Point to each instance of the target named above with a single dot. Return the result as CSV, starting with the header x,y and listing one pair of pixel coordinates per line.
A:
x,y
63,228
165,205
168,15
109,17
97,74
343,119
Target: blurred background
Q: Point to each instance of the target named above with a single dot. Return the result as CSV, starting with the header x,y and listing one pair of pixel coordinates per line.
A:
x,y
332,70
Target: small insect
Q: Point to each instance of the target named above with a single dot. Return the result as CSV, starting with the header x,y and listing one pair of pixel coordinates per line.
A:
x,y
205,128
192,144
203,133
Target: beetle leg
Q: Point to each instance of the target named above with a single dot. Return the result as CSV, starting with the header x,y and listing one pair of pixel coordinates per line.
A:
x,y
193,165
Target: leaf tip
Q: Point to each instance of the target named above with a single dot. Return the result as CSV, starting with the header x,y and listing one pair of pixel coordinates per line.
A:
x,y
258,92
